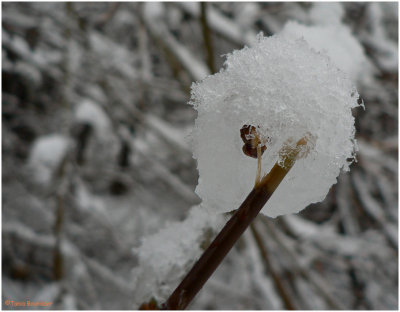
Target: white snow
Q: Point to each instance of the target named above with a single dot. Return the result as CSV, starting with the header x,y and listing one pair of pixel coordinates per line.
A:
x,y
287,89
47,153
336,40
91,113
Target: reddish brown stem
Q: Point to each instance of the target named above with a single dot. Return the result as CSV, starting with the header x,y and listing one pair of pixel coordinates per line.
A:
x,y
231,232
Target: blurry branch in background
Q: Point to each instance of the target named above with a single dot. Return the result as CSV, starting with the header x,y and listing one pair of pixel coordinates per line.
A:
x,y
60,176
145,65
374,210
160,33
159,127
358,287
108,15
221,25
60,180
88,269
279,283
347,215
319,284
82,134
207,37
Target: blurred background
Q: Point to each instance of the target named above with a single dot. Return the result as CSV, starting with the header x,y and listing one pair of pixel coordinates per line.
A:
x,y
95,157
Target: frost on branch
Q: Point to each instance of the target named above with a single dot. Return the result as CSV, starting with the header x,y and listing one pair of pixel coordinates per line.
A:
x,y
286,90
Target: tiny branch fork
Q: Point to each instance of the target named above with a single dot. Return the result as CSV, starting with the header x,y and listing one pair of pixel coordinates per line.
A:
x,y
231,232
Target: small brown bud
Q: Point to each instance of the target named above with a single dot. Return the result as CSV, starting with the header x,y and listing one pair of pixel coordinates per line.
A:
x,y
251,140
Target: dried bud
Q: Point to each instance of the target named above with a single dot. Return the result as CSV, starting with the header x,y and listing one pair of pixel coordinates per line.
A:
x,y
251,140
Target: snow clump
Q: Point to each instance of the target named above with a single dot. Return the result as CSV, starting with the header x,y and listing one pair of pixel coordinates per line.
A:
x,y
337,42
91,113
46,155
286,90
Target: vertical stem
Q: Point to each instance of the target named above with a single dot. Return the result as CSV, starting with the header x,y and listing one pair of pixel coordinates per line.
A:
x,y
258,165
59,176
58,263
207,37
231,232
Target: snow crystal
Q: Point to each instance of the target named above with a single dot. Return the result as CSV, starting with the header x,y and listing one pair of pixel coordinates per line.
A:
x,y
336,41
47,153
287,90
91,113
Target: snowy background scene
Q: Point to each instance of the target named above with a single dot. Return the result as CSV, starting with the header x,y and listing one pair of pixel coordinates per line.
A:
x,y
99,209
